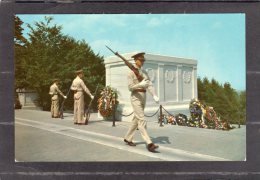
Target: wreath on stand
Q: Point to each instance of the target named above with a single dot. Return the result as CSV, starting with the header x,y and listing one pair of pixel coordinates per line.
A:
x,y
196,119
213,121
108,101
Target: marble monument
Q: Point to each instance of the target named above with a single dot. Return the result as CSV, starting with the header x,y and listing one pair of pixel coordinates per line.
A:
x,y
174,78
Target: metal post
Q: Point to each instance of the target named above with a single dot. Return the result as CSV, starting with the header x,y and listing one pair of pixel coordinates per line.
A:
x,y
161,116
239,122
114,116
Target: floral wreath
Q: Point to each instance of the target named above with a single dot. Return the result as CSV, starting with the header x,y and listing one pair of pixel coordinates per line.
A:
x,y
211,116
107,101
181,119
195,109
196,113
202,116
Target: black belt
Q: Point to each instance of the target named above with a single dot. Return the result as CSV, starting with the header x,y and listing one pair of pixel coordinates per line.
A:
x,y
140,90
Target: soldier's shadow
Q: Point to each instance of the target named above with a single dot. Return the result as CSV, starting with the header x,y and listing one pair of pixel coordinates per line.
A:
x,y
161,140
158,140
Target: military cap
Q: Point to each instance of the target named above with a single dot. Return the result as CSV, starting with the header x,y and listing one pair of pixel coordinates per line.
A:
x,y
55,80
79,71
138,54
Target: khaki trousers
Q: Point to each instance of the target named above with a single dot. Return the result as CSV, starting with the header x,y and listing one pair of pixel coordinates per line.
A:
x,y
55,108
79,108
138,100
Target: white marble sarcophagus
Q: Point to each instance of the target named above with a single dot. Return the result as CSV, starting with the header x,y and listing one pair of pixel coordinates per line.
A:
x,y
175,81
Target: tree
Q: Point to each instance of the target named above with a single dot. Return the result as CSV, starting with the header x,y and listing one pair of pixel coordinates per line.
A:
x,y
202,87
19,56
242,107
227,102
233,101
18,31
51,54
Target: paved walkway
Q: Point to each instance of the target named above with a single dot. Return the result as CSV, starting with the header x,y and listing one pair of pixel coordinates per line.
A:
x,y
176,143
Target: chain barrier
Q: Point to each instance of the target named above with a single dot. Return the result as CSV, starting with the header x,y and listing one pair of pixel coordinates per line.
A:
x,y
144,115
169,114
160,116
167,111
126,115
153,114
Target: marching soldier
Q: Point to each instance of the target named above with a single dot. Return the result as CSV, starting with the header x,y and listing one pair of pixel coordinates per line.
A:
x,y
138,100
78,86
54,91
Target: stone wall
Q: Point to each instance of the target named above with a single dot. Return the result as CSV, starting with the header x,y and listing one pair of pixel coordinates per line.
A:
x,y
27,98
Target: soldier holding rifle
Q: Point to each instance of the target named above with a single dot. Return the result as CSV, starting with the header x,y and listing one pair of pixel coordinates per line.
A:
x,y
54,91
138,83
78,86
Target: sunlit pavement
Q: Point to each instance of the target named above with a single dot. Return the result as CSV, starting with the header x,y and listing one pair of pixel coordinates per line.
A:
x,y
40,138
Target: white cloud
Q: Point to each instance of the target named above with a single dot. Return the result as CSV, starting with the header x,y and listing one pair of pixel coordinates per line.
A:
x,y
158,21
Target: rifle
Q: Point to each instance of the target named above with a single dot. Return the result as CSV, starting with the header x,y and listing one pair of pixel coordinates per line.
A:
x,y
87,112
134,69
62,105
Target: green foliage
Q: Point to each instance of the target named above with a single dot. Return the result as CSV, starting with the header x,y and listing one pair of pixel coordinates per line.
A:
x,y
18,31
49,54
19,46
242,107
229,104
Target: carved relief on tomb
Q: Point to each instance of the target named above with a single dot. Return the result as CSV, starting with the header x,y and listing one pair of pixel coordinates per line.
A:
x,y
170,76
151,74
186,77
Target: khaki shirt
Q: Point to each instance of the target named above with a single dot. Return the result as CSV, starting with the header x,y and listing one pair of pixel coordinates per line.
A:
x,y
133,81
54,90
78,86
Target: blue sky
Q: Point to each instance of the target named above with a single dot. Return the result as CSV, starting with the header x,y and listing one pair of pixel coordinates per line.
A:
x,y
216,41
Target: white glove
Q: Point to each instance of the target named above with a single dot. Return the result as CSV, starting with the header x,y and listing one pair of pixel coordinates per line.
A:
x,y
156,99
91,96
144,83
65,97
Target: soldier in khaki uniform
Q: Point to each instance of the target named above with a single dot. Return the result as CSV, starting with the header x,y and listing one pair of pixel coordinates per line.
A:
x,y
54,91
138,100
78,86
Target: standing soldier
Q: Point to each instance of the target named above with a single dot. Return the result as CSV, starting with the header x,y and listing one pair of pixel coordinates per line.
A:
x,y
138,100
78,86
54,90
